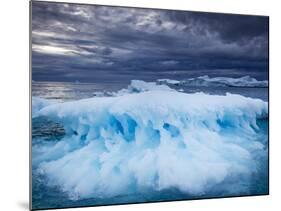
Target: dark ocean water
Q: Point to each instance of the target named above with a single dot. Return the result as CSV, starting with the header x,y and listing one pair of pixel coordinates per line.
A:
x,y
46,133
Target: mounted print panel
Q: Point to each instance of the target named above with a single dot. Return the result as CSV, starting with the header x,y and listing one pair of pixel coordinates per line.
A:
x,y
135,105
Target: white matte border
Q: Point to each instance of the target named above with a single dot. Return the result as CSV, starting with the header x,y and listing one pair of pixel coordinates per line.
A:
x,y
15,104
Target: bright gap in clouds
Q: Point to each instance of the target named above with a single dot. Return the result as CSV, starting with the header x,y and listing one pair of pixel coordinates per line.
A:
x,y
53,50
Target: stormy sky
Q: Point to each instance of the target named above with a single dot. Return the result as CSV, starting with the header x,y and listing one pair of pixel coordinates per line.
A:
x,y
90,43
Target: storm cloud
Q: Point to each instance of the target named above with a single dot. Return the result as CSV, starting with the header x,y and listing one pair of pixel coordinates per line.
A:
x,y
91,43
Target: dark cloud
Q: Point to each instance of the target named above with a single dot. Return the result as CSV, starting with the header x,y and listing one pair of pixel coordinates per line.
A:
x,y
230,27
92,43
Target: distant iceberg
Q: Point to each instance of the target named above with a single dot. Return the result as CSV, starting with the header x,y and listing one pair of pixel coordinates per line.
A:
x,y
137,86
154,139
168,81
206,81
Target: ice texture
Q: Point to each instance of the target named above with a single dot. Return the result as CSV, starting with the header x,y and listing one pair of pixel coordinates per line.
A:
x,y
157,140
38,103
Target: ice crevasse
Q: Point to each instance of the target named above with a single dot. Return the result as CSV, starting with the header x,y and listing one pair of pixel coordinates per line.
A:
x,y
152,140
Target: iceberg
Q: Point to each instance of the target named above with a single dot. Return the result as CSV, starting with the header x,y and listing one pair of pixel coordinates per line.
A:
x,y
207,81
152,140
137,86
168,81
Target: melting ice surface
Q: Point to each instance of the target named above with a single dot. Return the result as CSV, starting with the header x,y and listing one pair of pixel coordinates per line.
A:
x,y
148,142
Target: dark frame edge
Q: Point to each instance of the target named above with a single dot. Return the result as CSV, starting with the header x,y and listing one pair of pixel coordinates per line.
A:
x,y
268,72
30,105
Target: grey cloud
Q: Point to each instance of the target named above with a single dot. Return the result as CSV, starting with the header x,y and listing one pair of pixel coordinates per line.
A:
x,y
97,42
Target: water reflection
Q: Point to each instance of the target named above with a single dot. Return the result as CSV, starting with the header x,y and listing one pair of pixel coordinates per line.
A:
x,y
65,91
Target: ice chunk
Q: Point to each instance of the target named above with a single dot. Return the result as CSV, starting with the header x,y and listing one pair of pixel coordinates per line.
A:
x,y
38,103
168,81
153,139
245,81
137,86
